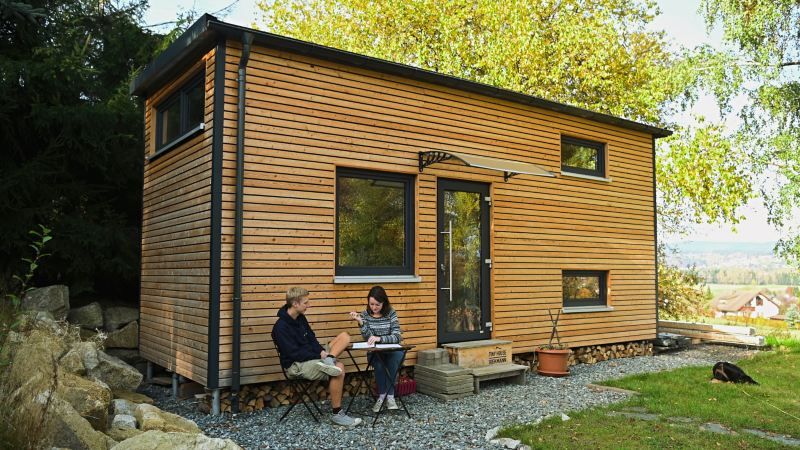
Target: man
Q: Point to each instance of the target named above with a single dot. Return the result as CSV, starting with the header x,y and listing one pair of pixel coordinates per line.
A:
x,y
303,357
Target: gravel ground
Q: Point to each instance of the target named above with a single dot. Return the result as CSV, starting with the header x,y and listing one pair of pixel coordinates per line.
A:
x,y
434,424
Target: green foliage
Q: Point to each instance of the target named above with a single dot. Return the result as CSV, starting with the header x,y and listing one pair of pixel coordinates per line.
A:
x,y
13,298
72,138
681,292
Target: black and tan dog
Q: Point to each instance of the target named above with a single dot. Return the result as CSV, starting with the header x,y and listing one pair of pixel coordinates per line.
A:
x,y
725,371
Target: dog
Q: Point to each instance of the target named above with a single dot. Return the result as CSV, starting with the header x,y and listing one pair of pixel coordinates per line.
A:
x,y
725,371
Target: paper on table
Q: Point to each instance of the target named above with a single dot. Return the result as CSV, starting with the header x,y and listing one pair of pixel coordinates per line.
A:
x,y
364,346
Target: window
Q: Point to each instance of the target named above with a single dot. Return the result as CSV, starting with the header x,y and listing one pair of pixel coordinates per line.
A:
x,y
181,114
584,288
583,157
374,223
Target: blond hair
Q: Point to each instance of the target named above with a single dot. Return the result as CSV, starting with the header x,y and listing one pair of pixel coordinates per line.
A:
x,y
294,295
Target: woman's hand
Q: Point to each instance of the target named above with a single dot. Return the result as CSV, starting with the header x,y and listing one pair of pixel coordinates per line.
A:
x,y
373,340
357,317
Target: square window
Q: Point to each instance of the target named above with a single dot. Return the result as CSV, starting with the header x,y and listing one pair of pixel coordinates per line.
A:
x,y
181,113
583,156
584,288
374,223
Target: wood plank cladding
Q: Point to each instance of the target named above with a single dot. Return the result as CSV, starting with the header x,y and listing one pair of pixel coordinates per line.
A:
x,y
306,117
176,231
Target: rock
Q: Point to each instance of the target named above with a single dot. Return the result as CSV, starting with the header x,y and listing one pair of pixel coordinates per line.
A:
x,y
124,407
114,372
74,361
492,433
564,417
54,299
506,442
158,440
121,434
35,362
123,421
69,429
88,335
152,418
117,316
125,337
134,397
129,355
89,316
90,399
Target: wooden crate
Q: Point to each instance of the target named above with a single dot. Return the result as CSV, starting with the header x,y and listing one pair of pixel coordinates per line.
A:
x,y
479,353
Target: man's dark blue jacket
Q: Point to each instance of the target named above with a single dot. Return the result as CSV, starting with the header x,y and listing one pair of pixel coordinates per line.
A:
x,y
294,339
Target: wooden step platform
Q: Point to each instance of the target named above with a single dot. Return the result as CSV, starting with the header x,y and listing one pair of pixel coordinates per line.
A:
x,y
514,371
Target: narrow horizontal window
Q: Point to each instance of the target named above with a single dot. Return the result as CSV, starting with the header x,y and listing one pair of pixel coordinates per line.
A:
x,y
583,156
585,288
181,112
374,223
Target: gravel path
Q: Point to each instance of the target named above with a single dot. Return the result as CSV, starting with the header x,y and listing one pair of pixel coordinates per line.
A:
x,y
459,424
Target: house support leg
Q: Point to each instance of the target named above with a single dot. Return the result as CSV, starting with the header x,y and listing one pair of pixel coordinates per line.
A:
x,y
215,406
174,385
149,372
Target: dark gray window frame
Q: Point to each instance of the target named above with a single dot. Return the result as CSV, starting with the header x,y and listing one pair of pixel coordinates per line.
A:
x,y
601,156
601,274
408,251
187,130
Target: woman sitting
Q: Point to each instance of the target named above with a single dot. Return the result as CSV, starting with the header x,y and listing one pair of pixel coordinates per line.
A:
x,y
379,325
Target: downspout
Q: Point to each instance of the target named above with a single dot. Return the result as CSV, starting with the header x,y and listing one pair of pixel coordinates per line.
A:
x,y
655,225
247,39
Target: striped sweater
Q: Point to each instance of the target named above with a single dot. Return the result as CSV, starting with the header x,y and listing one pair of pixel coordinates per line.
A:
x,y
387,327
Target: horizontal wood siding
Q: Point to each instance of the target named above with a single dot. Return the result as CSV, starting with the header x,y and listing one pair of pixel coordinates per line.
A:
x,y
306,117
176,243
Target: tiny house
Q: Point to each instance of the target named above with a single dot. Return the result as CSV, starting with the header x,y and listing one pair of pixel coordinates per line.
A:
x,y
272,162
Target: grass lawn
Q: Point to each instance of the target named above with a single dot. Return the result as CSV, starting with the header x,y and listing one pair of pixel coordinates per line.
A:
x,y
685,394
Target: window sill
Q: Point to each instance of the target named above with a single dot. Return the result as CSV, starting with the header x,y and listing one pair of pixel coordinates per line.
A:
x,y
367,279
178,141
586,309
585,177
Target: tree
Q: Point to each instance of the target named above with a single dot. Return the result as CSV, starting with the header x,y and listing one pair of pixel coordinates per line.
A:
x,y
767,52
682,293
72,138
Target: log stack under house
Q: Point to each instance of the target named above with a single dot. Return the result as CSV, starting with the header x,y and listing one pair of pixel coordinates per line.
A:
x,y
272,162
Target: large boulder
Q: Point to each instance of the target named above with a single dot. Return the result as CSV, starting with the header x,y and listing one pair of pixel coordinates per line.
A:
x,y
89,316
124,421
125,337
159,440
116,317
54,299
120,434
123,407
75,360
34,363
90,399
134,397
117,374
152,418
68,429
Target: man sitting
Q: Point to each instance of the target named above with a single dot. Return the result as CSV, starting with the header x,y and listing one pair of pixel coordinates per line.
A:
x,y
303,357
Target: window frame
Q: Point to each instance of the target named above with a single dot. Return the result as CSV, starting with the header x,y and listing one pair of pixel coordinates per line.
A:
x,y
600,172
186,130
408,229
578,303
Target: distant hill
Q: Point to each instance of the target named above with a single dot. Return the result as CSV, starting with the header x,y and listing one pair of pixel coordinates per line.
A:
x,y
723,248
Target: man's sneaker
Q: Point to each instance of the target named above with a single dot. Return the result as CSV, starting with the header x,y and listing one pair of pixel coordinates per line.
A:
x,y
377,406
390,403
344,420
329,360
333,371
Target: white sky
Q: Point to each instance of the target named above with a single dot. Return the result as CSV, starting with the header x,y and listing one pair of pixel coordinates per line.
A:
x,y
680,20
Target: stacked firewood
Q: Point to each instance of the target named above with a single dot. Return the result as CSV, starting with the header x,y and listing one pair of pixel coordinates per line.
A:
x,y
595,353
254,397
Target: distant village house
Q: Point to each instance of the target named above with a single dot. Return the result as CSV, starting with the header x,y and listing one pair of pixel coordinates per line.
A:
x,y
745,304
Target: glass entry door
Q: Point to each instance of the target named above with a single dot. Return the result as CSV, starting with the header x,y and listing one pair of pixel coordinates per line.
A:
x,y
463,262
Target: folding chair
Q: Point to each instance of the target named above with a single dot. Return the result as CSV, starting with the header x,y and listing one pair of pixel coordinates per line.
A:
x,y
299,387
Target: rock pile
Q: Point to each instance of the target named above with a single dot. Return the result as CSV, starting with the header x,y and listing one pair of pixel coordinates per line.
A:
x,y
78,396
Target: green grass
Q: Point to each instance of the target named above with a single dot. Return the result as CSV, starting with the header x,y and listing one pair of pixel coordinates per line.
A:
x,y
686,393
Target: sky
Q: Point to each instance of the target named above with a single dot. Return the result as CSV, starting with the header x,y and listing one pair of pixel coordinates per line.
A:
x,y
679,18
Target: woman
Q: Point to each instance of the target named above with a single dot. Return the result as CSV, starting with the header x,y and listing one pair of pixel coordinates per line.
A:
x,y
379,325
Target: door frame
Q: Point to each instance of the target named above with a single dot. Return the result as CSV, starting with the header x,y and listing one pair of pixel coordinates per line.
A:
x,y
483,190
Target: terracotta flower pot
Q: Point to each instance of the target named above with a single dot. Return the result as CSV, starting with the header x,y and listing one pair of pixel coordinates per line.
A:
x,y
553,363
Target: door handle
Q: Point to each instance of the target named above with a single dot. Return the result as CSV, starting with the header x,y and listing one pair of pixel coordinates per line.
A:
x,y
449,234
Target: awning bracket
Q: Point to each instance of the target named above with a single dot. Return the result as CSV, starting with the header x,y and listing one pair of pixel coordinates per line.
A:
x,y
428,158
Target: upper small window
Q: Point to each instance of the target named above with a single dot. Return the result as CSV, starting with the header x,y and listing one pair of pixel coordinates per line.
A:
x,y
374,223
180,114
584,288
582,156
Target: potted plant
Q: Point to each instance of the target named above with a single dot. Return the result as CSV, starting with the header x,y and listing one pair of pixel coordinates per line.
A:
x,y
553,358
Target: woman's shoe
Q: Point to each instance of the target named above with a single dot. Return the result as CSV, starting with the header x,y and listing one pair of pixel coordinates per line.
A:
x,y
391,404
377,406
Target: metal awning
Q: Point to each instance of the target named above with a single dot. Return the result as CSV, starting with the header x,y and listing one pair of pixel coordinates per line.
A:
x,y
509,168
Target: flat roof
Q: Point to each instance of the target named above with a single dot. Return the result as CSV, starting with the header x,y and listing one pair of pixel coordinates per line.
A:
x,y
207,31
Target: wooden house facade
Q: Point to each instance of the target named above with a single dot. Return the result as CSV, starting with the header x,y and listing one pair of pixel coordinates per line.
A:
x,y
272,162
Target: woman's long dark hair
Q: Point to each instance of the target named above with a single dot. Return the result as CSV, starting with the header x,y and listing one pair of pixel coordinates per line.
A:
x,y
379,294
